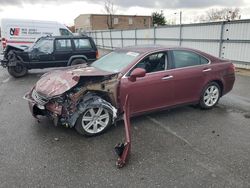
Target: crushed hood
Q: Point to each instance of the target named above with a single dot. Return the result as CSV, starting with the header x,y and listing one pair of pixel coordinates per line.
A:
x,y
59,81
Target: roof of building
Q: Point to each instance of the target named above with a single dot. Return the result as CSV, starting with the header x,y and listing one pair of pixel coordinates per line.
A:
x,y
113,15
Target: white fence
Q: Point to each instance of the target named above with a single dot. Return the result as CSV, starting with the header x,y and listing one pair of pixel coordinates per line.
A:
x,y
230,40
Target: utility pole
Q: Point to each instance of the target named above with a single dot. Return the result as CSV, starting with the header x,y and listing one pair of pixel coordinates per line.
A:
x,y
180,17
180,28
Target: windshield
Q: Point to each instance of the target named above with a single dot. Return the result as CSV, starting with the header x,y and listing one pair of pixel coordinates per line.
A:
x,y
44,45
115,61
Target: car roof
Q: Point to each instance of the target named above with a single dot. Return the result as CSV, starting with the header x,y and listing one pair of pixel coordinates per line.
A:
x,y
142,49
150,48
68,37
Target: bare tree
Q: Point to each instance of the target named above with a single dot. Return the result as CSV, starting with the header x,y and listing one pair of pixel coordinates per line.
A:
x,y
225,14
110,10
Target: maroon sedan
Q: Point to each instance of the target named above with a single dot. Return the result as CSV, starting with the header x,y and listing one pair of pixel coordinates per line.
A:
x,y
91,98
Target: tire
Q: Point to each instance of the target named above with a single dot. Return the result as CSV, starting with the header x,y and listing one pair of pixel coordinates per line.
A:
x,y
78,62
210,96
18,71
92,125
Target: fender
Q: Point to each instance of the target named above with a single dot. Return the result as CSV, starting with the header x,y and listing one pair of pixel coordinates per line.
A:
x,y
15,61
10,47
76,57
94,101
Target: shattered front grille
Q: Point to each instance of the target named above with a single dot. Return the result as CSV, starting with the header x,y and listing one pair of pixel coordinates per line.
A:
x,y
38,98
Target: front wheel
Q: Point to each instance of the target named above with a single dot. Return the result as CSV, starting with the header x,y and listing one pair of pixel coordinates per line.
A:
x,y
93,121
18,71
210,96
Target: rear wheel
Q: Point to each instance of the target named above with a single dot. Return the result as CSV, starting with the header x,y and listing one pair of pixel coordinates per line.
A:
x,y
93,121
18,71
78,61
210,96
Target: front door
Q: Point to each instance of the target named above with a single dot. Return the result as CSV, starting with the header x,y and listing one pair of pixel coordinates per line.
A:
x,y
41,54
151,92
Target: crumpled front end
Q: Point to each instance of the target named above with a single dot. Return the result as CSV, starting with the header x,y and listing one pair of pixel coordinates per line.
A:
x,y
63,95
65,109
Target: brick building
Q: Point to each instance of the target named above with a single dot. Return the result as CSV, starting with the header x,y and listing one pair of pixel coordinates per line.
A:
x,y
86,22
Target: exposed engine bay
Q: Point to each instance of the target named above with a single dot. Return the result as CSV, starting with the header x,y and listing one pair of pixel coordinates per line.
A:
x,y
65,108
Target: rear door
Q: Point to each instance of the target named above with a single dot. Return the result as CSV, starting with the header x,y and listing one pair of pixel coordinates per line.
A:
x,y
85,46
190,73
63,51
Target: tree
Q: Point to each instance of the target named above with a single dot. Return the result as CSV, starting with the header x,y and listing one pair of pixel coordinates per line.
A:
x,y
158,18
225,14
110,10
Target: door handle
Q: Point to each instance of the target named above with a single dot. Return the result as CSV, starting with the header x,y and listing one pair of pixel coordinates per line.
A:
x,y
206,70
167,77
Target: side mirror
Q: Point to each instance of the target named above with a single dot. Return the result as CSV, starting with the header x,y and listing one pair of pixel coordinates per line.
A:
x,y
137,73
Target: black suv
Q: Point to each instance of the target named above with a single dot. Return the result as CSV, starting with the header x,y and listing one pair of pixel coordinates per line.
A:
x,y
50,52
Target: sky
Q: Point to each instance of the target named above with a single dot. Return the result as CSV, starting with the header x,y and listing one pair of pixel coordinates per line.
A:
x,y
65,11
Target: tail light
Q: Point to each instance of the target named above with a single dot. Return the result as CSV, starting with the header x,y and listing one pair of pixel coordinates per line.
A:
x,y
4,42
97,54
231,69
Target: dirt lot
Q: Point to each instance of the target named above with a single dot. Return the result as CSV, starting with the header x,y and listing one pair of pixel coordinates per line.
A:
x,y
183,147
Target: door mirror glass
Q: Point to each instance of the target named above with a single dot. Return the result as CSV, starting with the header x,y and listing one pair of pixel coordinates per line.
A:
x,y
137,73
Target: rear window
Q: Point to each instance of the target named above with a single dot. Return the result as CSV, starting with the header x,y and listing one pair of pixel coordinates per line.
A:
x,y
63,45
82,44
186,59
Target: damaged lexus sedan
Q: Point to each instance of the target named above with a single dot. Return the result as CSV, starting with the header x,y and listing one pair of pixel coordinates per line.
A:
x,y
91,98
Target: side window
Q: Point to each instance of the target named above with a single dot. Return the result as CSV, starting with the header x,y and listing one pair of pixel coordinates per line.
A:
x,y
65,32
63,45
44,46
186,59
153,63
204,61
82,44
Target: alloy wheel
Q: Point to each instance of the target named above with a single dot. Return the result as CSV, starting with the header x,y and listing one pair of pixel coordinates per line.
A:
x,y
95,120
211,95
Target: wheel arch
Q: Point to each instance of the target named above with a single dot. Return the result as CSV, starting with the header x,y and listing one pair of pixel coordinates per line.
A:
x,y
90,97
220,83
9,48
104,95
72,58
